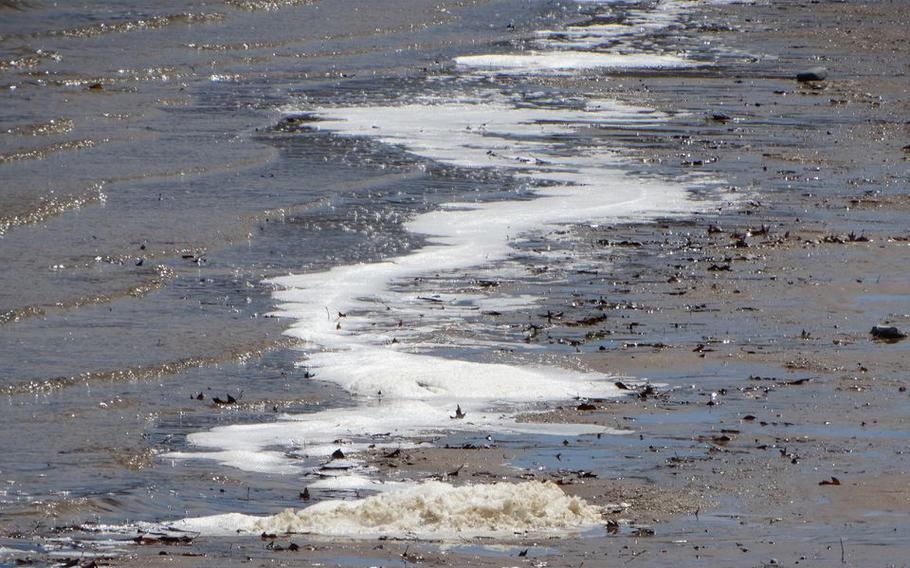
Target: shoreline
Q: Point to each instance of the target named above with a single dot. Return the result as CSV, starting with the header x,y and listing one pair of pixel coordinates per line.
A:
x,y
718,309
756,452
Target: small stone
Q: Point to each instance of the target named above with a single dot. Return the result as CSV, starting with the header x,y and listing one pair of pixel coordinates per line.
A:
x,y
887,333
813,74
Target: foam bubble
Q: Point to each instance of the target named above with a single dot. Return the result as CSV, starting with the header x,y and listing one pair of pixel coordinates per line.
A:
x,y
429,510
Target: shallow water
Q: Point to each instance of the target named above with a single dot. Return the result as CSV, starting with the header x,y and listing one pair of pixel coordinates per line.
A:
x,y
137,265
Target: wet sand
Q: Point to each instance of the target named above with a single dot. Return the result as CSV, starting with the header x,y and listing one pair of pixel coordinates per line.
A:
x,y
134,266
775,432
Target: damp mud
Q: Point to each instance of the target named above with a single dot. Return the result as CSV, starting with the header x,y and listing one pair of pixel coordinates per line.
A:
x,y
474,284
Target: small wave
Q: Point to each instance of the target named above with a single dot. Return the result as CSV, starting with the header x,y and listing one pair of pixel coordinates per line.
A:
x,y
146,373
45,151
267,5
53,126
29,60
152,23
51,207
157,278
14,4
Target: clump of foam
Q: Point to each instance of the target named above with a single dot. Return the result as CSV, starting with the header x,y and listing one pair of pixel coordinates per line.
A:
x,y
636,25
544,62
429,510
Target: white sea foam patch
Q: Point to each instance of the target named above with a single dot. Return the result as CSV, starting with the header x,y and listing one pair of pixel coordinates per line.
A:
x,y
522,140
410,376
624,43
354,483
635,24
429,510
405,393
569,60
413,395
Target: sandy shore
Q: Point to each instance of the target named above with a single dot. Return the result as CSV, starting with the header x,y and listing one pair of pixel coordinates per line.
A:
x,y
776,429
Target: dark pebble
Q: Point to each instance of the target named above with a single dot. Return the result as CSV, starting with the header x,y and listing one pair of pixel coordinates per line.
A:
x,y
889,333
813,74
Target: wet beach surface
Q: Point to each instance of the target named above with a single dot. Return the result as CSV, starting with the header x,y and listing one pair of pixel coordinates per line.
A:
x,y
121,304
775,432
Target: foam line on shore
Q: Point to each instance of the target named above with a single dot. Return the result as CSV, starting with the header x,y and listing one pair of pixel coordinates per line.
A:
x,y
415,394
568,60
346,316
635,24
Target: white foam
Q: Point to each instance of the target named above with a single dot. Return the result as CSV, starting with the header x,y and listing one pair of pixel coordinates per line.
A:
x,y
226,524
247,446
347,315
368,332
591,47
415,394
253,458
635,24
569,60
491,134
506,303
408,376
354,483
429,510
463,235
